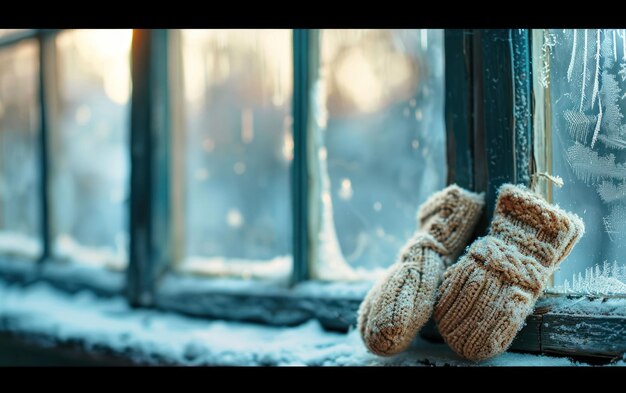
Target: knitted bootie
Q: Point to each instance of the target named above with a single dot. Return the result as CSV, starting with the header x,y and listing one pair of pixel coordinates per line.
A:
x,y
401,302
485,298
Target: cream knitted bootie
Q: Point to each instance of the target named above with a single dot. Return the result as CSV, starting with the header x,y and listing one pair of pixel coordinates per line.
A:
x,y
486,297
401,302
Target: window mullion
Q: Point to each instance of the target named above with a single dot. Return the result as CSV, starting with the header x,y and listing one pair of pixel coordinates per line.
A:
x,y
542,135
458,107
489,127
302,64
26,34
149,223
46,77
522,104
502,121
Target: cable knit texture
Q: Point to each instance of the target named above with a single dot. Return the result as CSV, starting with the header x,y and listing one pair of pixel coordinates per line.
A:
x,y
402,301
485,298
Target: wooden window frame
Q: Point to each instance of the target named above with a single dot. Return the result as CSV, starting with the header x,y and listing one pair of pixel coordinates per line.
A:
x,y
489,111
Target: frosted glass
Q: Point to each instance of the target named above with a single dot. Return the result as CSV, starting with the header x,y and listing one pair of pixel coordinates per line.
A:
x,y
380,118
236,151
89,147
19,175
586,73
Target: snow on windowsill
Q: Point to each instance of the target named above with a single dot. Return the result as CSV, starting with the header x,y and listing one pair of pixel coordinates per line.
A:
x,y
67,249
277,269
17,244
149,334
64,272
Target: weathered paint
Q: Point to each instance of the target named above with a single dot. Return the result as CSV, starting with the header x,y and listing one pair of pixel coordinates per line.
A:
x,y
150,244
299,166
458,107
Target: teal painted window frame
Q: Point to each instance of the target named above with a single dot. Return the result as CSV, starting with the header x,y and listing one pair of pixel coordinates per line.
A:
x,y
488,115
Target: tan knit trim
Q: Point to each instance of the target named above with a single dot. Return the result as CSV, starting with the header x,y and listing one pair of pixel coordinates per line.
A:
x,y
548,223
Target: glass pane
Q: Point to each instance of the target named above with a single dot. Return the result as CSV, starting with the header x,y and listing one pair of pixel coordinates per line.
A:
x,y
90,155
381,144
586,73
19,176
237,144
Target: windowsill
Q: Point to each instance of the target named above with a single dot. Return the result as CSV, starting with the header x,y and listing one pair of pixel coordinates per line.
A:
x,y
71,277
42,315
576,326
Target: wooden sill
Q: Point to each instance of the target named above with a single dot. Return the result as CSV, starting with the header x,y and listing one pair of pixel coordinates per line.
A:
x,y
560,325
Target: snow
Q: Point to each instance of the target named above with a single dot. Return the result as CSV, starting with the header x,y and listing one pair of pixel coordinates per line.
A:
x,y
92,276
334,289
154,336
278,268
14,243
172,283
578,305
68,249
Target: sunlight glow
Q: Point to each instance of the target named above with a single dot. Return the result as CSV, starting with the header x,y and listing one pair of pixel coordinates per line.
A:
x,y
288,146
346,192
104,54
202,72
356,77
234,219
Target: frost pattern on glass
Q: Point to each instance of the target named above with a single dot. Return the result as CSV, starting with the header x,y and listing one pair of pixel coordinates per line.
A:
x,y
19,122
610,279
588,86
89,147
237,148
380,144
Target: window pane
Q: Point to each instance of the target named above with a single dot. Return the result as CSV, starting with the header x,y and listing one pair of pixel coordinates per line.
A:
x,y
380,144
586,74
235,151
90,155
19,122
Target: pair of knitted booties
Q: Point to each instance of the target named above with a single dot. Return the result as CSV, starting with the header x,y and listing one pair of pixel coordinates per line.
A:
x,y
481,302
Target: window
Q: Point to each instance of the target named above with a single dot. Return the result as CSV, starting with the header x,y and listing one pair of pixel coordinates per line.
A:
x,y
64,168
270,175
89,146
380,144
584,73
19,166
234,152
